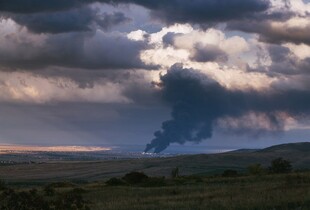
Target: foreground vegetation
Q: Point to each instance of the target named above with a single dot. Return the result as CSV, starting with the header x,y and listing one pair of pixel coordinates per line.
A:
x,y
275,187
266,192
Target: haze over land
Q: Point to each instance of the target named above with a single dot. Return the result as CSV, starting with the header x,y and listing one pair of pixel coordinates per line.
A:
x,y
218,73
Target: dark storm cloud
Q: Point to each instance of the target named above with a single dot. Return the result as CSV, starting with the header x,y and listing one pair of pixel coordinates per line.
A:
x,y
109,20
36,6
271,34
208,53
181,11
82,19
200,11
198,102
74,50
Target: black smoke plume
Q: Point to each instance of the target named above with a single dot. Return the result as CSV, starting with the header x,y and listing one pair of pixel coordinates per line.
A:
x,y
198,102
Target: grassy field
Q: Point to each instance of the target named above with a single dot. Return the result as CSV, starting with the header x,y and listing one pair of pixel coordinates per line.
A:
x,y
285,191
269,192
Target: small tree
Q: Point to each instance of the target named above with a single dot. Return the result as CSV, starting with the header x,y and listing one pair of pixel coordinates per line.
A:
x,y
135,177
2,185
72,200
280,165
175,172
230,173
115,182
256,169
49,190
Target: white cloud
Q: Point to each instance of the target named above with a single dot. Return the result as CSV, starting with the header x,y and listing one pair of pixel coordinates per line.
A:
x,y
302,51
231,74
297,6
138,35
184,44
25,87
231,45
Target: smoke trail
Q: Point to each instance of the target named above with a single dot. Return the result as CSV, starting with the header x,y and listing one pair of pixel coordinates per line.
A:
x,y
198,102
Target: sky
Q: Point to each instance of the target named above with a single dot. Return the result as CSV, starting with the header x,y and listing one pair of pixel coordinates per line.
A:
x,y
224,73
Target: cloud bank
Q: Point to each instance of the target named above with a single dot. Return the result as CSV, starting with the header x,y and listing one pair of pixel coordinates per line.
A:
x,y
245,69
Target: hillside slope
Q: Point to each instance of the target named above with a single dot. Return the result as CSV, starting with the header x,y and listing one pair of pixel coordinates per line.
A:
x,y
298,154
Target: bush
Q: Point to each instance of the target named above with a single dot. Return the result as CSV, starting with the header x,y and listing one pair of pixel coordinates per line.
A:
x,y
115,182
230,173
256,169
295,179
79,190
154,182
22,200
72,200
194,179
49,190
175,172
280,165
135,178
31,200
62,184
2,185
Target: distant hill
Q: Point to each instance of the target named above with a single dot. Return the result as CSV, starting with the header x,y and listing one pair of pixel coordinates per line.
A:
x,y
303,147
297,153
244,151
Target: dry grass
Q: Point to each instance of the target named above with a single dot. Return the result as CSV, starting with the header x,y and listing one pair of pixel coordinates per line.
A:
x,y
280,192
267,192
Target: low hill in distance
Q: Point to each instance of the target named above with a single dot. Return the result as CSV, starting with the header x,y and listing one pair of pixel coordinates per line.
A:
x,y
202,164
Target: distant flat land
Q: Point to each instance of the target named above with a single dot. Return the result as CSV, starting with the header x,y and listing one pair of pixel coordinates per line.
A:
x,y
204,164
6,149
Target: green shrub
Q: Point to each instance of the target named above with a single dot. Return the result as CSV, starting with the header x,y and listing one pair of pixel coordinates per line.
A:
x,y
2,185
72,200
280,165
179,181
62,184
256,169
115,182
32,200
154,182
193,179
135,178
295,179
11,200
79,190
175,172
49,190
230,173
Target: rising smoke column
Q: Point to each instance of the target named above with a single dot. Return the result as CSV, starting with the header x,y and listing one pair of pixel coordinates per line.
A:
x,y
198,102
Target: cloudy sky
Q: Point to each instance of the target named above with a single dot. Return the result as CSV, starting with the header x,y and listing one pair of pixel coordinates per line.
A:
x,y
227,73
